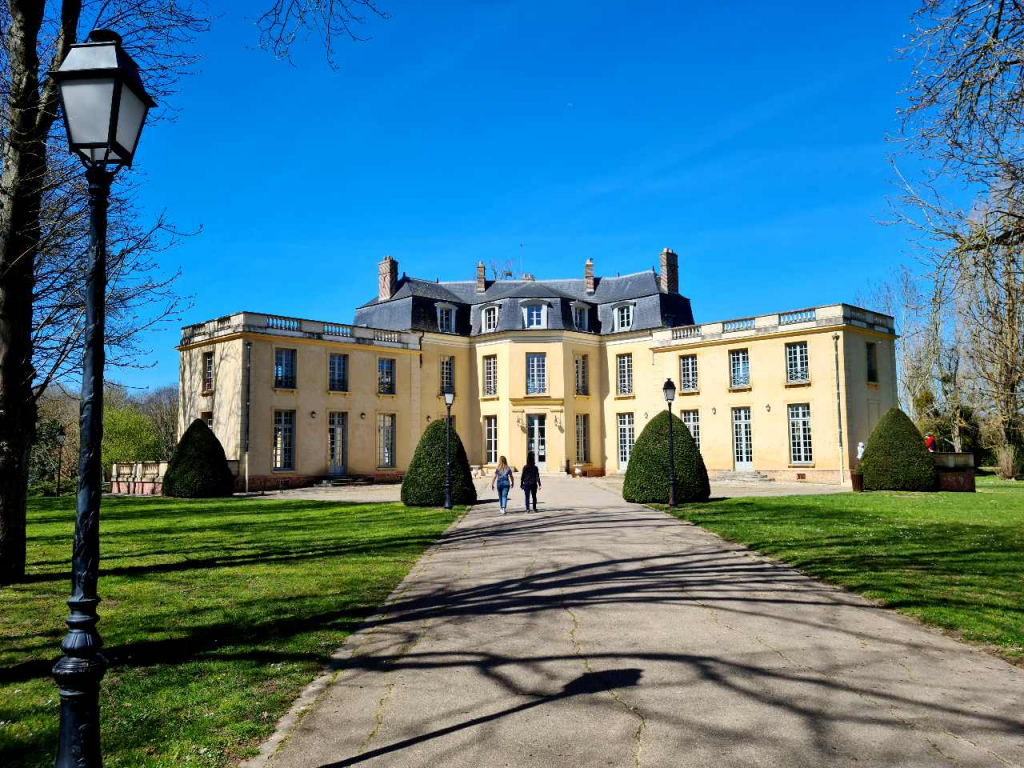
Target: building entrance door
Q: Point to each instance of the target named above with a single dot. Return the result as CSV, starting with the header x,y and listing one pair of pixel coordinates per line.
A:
x,y
337,443
742,442
536,437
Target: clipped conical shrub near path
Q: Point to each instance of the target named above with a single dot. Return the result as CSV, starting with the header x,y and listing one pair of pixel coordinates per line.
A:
x,y
198,469
647,473
896,458
423,483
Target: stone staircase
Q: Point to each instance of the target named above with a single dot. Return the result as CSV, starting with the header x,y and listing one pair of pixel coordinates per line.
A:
x,y
741,477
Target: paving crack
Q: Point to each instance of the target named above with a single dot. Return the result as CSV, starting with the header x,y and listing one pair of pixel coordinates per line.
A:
x,y
632,710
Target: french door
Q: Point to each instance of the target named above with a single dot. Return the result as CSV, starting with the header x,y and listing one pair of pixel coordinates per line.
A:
x,y
337,442
536,437
742,440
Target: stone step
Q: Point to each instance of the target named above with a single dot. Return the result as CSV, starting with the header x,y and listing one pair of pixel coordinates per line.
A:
x,y
741,477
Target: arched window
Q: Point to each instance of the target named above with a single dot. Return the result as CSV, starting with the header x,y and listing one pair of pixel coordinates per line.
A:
x,y
490,321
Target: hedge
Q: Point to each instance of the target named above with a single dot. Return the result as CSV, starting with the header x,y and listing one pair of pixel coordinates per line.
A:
x,y
896,458
423,483
198,468
647,473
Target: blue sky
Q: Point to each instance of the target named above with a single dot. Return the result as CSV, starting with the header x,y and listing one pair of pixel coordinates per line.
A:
x,y
749,137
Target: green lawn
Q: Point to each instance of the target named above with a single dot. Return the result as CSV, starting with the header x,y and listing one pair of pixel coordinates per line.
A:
x,y
955,560
214,616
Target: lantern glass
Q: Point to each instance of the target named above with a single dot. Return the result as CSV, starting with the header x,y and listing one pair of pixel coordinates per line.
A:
x,y
87,105
130,116
669,390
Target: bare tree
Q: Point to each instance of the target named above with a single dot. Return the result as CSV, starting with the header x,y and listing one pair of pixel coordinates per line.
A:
x,y
41,201
161,406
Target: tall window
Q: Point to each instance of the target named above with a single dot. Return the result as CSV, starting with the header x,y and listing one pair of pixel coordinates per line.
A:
x,y
536,373
284,440
447,374
579,317
624,374
490,439
872,362
490,319
692,421
284,368
446,319
739,368
624,317
534,315
798,369
688,373
337,440
386,375
337,373
582,375
800,434
207,371
582,438
385,440
207,417
626,438
491,376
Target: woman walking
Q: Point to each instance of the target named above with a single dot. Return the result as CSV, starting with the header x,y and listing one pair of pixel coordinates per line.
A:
x,y
530,481
504,479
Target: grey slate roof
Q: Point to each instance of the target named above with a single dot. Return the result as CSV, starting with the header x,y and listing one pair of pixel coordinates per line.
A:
x,y
413,307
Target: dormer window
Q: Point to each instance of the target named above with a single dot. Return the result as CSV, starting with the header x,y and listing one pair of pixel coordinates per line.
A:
x,y
490,323
446,318
623,317
580,316
535,314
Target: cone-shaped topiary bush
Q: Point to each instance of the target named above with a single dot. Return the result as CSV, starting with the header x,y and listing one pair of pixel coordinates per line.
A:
x,y
647,474
423,484
895,458
198,468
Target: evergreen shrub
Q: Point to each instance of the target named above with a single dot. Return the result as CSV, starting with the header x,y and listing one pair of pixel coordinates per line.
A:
x,y
647,473
423,483
895,457
198,468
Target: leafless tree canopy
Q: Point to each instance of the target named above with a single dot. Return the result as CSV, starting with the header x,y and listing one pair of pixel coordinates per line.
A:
x,y
286,21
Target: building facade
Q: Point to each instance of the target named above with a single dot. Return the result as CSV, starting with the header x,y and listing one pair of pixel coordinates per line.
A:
x,y
569,369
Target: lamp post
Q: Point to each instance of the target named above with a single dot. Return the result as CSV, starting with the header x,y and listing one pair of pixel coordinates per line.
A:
x,y
61,438
669,390
449,398
105,107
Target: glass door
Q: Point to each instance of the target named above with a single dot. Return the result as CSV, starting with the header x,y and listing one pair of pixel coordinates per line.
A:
x,y
337,443
536,437
742,441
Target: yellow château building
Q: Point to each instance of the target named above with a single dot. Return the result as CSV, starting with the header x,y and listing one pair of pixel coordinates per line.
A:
x,y
569,369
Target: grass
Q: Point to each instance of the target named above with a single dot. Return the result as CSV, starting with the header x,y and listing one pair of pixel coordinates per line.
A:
x,y
953,560
215,614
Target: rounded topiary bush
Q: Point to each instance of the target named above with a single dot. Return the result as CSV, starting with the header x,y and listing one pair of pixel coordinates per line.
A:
x,y
647,473
895,458
198,469
423,483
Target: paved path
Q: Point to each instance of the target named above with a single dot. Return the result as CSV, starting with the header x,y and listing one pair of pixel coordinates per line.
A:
x,y
597,633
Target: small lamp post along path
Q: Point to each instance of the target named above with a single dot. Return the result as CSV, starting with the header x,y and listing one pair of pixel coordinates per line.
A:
x,y
61,438
669,390
105,107
449,398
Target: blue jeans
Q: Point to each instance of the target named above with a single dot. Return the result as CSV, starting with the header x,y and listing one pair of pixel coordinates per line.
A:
x,y
503,494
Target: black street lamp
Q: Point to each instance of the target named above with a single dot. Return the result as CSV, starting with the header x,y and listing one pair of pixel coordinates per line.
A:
x,y
61,438
449,398
669,390
105,107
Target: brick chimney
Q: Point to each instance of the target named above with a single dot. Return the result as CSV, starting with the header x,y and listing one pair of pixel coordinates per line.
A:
x,y
588,275
387,278
481,277
668,278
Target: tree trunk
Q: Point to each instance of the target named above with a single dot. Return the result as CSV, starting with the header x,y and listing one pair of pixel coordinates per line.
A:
x,y
24,167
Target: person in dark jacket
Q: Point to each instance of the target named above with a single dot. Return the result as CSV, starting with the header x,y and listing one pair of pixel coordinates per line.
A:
x,y
529,481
